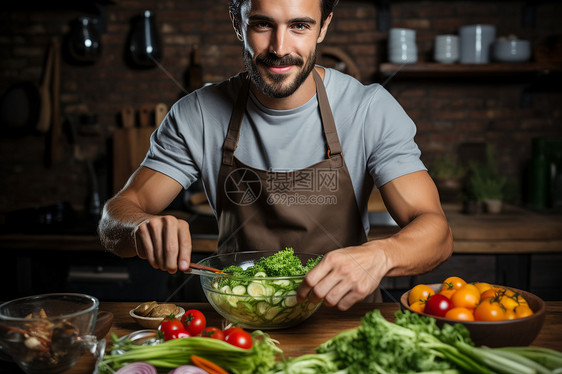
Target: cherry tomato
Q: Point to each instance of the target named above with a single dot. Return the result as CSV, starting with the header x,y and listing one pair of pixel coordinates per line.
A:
x,y
453,283
194,322
489,310
490,293
418,306
239,338
460,314
523,311
231,330
482,286
509,314
508,302
421,292
448,293
438,305
213,332
466,297
173,328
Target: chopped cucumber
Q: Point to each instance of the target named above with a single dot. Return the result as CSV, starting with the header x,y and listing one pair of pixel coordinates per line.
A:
x,y
256,290
239,290
285,283
290,301
272,312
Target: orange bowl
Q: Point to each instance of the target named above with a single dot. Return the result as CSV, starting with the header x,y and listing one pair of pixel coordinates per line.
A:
x,y
517,332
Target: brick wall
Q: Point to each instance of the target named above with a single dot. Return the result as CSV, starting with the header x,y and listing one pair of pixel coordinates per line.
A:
x,y
447,111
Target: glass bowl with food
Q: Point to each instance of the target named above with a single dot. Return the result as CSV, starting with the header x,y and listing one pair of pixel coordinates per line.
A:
x,y
48,333
258,290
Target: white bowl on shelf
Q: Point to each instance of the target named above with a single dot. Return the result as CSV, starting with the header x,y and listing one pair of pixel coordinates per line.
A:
x,y
511,50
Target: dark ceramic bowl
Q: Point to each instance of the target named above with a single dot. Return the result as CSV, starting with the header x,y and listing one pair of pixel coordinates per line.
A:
x,y
518,332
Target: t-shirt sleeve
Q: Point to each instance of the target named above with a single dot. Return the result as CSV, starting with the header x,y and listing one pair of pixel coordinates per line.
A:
x,y
389,139
175,147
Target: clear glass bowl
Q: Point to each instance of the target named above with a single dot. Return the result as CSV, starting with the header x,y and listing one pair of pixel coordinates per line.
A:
x,y
50,341
264,303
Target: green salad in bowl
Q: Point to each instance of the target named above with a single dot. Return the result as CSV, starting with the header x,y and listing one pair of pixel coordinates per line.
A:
x,y
259,289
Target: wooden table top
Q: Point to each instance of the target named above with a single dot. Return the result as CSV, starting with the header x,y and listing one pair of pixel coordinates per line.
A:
x,y
322,326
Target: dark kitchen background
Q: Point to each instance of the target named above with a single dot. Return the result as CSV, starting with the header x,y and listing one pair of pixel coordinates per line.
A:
x,y
53,181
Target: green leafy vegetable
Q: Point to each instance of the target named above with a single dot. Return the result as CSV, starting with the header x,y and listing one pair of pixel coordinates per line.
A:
x,y
173,353
281,264
415,344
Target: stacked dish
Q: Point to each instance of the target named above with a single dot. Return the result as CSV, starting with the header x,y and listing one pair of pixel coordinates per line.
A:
x,y
402,47
446,49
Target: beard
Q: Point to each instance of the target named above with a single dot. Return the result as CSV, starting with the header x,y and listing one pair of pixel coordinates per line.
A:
x,y
280,86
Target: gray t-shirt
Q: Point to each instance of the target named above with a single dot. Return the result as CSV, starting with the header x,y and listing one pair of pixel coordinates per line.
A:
x,y
376,135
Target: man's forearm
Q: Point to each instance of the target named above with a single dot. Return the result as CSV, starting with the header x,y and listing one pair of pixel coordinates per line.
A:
x,y
419,247
117,226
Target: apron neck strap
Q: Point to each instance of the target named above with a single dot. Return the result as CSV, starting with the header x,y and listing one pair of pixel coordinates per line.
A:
x,y
328,123
233,134
231,141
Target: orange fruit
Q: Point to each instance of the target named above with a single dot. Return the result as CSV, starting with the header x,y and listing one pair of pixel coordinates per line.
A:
x,y
466,297
460,314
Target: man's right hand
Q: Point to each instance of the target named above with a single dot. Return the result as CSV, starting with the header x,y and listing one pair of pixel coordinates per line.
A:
x,y
165,242
131,224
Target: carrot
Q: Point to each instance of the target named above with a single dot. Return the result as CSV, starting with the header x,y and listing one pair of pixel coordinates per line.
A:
x,y
207,365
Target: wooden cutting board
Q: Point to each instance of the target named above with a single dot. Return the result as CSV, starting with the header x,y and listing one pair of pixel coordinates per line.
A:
x,y
131,142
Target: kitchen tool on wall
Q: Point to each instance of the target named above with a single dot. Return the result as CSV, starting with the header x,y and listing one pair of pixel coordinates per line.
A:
x,y
83,40
144,47
131,142
160,112
45,111
19,109
26,107
56,120
336,58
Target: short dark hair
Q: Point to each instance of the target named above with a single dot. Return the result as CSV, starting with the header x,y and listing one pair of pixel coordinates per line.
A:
x,y
326,5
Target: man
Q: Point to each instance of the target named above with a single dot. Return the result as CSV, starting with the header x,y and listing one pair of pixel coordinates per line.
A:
x,y
288,153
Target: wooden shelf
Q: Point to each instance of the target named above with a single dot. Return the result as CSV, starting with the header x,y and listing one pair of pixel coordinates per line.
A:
x,y
431,69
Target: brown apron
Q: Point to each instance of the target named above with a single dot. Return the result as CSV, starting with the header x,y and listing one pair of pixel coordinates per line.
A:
x,y
312,210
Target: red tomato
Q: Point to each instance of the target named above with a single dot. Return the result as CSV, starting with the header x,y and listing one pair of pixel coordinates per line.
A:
x,y
213,332
438,305
173,328
194,322
231,330
239,338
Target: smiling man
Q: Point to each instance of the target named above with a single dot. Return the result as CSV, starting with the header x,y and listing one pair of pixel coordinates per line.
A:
x,y
288,153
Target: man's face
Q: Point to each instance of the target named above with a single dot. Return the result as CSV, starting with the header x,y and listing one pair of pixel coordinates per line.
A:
x,y
280,39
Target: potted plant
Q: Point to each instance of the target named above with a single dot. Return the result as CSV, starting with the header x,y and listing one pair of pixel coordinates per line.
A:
x,y
485,184
448,174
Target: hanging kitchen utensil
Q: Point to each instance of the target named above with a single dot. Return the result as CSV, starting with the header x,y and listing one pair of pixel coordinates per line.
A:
x,y
19,109
84,41
56,120
123,139
45,111
160,112
144,115
145,48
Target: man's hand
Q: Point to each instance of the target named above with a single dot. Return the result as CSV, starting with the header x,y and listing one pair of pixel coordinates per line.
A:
x,y
165,242
131,224
347,275
344,276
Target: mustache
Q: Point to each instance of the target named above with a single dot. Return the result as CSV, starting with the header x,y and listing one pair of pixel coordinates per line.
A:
x,y
271,59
